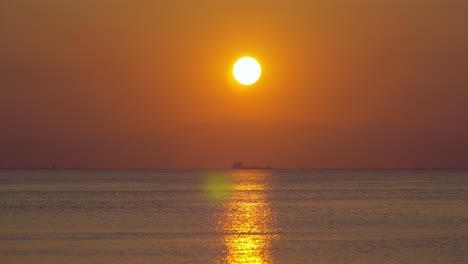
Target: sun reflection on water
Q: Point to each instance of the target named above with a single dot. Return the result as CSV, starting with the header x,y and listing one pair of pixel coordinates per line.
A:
x,y
247,222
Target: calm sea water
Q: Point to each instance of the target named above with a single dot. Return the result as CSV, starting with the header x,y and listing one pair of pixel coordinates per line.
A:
x,y
111,216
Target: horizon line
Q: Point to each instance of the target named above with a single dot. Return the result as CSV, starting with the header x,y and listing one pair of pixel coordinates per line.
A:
x,y
227,168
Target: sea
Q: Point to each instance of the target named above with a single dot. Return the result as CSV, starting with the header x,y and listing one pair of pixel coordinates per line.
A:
x,y
233,216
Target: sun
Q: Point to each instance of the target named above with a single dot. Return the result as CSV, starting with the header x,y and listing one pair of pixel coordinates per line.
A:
x,y
247,70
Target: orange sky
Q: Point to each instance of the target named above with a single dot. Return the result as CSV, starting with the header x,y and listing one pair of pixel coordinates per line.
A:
x,y
345,84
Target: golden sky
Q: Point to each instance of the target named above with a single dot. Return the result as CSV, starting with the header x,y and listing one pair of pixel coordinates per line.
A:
x,y
351,83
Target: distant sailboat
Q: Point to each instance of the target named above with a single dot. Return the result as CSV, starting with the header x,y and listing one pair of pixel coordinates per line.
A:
x,y
237,165
54,165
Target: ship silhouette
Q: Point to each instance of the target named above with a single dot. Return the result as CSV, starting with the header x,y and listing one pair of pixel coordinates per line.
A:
x,y
237,165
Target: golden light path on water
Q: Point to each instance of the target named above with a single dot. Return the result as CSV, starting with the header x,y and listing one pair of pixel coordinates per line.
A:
x,y
247,222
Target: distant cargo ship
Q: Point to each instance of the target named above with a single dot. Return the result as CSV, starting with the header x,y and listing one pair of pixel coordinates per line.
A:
x,y
237,165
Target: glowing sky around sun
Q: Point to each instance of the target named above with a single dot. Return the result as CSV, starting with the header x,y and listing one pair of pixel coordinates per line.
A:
x,y
150,83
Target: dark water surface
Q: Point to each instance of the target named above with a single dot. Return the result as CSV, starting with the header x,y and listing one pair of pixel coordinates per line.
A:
x,y
112,216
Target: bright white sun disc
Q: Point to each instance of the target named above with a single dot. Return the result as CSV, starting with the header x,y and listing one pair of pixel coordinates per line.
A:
x,y
247,71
